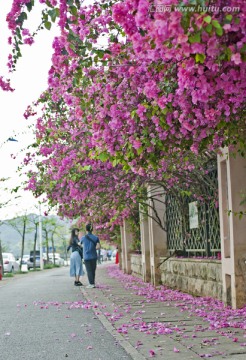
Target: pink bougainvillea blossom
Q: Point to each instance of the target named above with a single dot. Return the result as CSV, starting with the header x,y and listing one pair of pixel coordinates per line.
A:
x,y
165,90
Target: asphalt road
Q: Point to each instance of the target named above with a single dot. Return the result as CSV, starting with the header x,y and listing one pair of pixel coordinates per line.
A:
x,y
43,316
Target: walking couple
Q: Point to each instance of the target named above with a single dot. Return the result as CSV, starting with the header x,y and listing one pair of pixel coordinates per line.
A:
x,y
86,249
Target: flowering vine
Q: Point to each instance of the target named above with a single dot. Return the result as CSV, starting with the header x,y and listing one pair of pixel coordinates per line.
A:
x,y
135,92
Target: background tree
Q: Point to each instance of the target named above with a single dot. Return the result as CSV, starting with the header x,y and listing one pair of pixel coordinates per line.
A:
x,y
34,220
55,233
63,238
2,249
19,224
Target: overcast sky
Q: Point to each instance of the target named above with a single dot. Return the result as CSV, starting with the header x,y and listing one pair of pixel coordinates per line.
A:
x,y
29,80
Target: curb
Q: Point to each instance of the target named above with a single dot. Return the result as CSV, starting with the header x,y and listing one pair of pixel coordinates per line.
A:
x,y
130,350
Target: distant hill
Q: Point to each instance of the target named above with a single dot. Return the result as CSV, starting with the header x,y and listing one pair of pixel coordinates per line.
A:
x,y
11,239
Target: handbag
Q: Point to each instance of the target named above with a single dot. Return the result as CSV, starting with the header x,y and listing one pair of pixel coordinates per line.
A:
x,y
80,251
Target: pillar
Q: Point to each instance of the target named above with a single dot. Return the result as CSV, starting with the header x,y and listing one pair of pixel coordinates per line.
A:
x,y
120,249
157,236
145,245
232,183
126,240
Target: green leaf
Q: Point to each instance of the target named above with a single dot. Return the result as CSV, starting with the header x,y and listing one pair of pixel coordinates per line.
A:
x,y
216,24
18,33
229,17
73,10
126,168
115,162
47,25
72,46
200,58
93,72
24,15
53,14
164,111
209,28
139,150
103,157
142,32
196,38
89,45
86,168
243,49
219,31
75,82
77,2
30,5
21,17
207,19
226,55
185,193
185,21
100,53
15,189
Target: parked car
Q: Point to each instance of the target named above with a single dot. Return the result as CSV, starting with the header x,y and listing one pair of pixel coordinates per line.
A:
x,y
58,260
9,263
30,262
24,259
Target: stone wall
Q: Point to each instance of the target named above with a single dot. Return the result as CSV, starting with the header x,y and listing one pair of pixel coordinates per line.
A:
x,y
199,277
136,264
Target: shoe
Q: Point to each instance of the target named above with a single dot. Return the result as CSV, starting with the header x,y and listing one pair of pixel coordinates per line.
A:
x,y
78,283
90,286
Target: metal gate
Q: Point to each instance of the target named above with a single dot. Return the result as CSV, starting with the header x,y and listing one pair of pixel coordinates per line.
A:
x,y
203,240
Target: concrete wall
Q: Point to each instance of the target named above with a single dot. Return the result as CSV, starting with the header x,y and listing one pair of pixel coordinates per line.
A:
x,y
232,182
157,236
199,277
136,265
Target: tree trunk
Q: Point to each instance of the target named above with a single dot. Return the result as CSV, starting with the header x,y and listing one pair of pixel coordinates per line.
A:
x,y
47,244
53,248
34,246
23,242
1,257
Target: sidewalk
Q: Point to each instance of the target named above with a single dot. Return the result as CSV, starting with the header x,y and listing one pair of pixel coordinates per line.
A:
x,y
165,324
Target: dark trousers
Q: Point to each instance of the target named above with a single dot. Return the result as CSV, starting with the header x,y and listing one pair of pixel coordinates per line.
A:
x,y
91,266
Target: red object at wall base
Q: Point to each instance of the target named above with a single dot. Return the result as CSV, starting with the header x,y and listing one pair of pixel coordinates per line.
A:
x,y
1,275
117,258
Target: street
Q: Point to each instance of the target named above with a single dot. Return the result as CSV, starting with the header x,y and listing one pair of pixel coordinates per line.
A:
x,y
44,316
41,317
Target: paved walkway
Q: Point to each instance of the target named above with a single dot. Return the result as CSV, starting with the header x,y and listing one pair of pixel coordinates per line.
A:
x,y
162,323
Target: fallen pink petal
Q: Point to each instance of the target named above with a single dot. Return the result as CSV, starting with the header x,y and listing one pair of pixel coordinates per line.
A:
x,y
152,353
